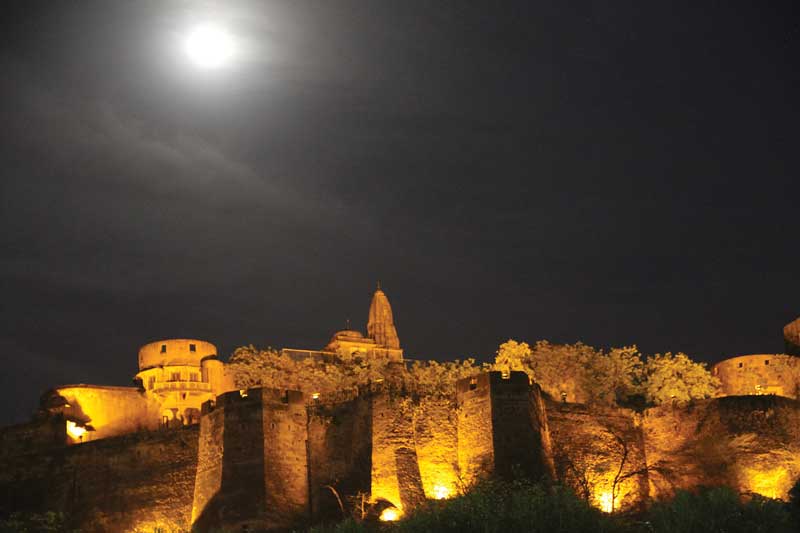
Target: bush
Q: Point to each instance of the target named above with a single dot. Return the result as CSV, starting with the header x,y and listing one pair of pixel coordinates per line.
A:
x,y
498,507
506,507
719,510
503,507
48,522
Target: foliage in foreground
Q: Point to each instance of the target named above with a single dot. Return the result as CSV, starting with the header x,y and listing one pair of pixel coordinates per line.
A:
x,y
49,522
720,509
496,507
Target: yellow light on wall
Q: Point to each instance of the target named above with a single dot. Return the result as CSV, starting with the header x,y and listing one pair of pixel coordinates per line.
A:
x,y
770,482
606,502
74,430
440,492
390,514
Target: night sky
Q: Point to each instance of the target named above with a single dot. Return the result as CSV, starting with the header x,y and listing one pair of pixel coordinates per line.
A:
x,y
612,172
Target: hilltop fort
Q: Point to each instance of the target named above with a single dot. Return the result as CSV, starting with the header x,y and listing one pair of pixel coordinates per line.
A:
x,y
187,447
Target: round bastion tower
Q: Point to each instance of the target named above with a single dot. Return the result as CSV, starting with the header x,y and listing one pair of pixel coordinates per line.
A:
x,y
180,374
757,374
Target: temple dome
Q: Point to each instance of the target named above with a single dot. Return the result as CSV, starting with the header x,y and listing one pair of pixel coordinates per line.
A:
x,y
347,335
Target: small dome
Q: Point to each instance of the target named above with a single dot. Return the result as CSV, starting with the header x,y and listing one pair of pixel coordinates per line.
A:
x,y
347,335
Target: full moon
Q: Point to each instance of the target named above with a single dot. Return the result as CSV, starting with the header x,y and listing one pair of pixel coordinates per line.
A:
x,y
209,46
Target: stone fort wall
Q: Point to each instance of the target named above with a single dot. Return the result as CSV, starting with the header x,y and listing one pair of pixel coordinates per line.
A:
x,y
276,458
131,483
750,443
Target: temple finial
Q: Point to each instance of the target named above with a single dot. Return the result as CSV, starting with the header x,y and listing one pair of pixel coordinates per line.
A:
x,y
379,285
347,322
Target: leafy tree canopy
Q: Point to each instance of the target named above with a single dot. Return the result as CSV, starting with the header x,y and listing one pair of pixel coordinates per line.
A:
x,y
572,372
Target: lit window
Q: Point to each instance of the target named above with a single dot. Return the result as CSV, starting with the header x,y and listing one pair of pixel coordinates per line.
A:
x,y
192,348
163,348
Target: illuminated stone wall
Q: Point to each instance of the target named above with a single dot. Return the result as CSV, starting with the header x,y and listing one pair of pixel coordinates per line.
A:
x,y
340,451
436,442
395,470
750,443
760,374
502,428
599,453
131,483
110,411
40,435
272,458
253,472
208,481
475,445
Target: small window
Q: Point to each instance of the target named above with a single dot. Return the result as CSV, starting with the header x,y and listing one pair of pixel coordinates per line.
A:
x,y
766,362
193,376
192,348
473,384
163,348
183,396
741,365
175,376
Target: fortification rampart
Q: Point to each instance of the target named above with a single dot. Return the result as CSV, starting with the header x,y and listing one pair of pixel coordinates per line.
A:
x,y
253,472
759,374
750,443
95,412
138,482
268,458
501,427
599,452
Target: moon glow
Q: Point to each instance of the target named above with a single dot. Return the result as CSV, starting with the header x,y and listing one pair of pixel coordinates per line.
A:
x,y
209,46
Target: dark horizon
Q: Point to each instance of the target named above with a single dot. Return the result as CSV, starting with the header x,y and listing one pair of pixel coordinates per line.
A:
x,y
614,175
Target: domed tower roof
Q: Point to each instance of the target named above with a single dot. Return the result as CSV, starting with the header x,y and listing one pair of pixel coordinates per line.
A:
x,y
347,335
381,323
791,334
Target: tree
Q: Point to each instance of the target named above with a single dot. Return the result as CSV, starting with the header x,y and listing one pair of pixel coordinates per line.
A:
x,y
675,377
252,367
432,377
613,377
514,356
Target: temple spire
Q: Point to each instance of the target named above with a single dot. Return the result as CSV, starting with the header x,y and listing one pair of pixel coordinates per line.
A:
x,y
381,323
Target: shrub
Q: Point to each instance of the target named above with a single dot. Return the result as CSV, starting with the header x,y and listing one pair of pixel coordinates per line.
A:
x,y
719,510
